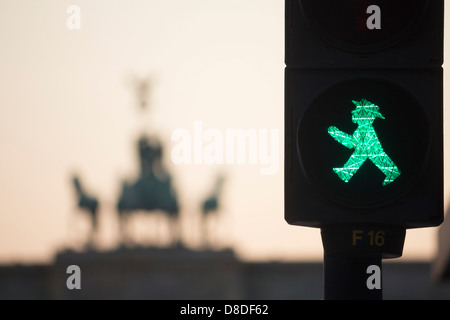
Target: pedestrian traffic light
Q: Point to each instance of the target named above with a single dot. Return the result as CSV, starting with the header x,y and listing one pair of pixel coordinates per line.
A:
x,y
363,112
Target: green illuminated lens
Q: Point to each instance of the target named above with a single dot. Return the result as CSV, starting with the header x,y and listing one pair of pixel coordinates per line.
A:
x,y
366,144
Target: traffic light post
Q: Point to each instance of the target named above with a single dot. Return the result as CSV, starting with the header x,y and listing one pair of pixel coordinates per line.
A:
x,y
363,130
353,258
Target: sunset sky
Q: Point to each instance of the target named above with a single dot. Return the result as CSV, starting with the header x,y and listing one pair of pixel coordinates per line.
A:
x,y
68,104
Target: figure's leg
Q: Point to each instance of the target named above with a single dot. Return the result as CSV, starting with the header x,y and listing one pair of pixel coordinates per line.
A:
x,y
351,166
387,166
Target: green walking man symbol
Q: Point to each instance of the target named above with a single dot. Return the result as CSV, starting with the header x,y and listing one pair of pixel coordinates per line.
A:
x,y
366,144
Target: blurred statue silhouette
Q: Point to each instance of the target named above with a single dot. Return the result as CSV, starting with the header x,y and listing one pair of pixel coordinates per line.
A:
x,y
210,206
142,87
143,91
151,191
88,204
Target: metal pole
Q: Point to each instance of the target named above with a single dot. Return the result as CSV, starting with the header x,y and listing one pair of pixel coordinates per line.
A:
x,y
351,278
353,256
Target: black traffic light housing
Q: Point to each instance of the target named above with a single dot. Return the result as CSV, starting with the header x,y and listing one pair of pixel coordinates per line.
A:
x,y
333,59
332,34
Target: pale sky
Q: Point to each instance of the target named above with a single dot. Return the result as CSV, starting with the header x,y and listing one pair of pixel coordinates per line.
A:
x,y
67,104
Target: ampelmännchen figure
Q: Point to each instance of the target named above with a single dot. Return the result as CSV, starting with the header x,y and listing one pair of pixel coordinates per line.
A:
x,y
366,144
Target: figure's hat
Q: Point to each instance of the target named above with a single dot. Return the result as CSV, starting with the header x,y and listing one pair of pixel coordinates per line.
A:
x,y
366,108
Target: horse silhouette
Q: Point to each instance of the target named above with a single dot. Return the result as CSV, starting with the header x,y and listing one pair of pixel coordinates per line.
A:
x,y
87,203
211,205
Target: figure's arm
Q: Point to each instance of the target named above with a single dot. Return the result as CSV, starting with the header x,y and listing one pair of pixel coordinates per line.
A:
x,y
345,139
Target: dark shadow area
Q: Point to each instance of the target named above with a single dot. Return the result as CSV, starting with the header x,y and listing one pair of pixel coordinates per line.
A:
x,y
180,273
